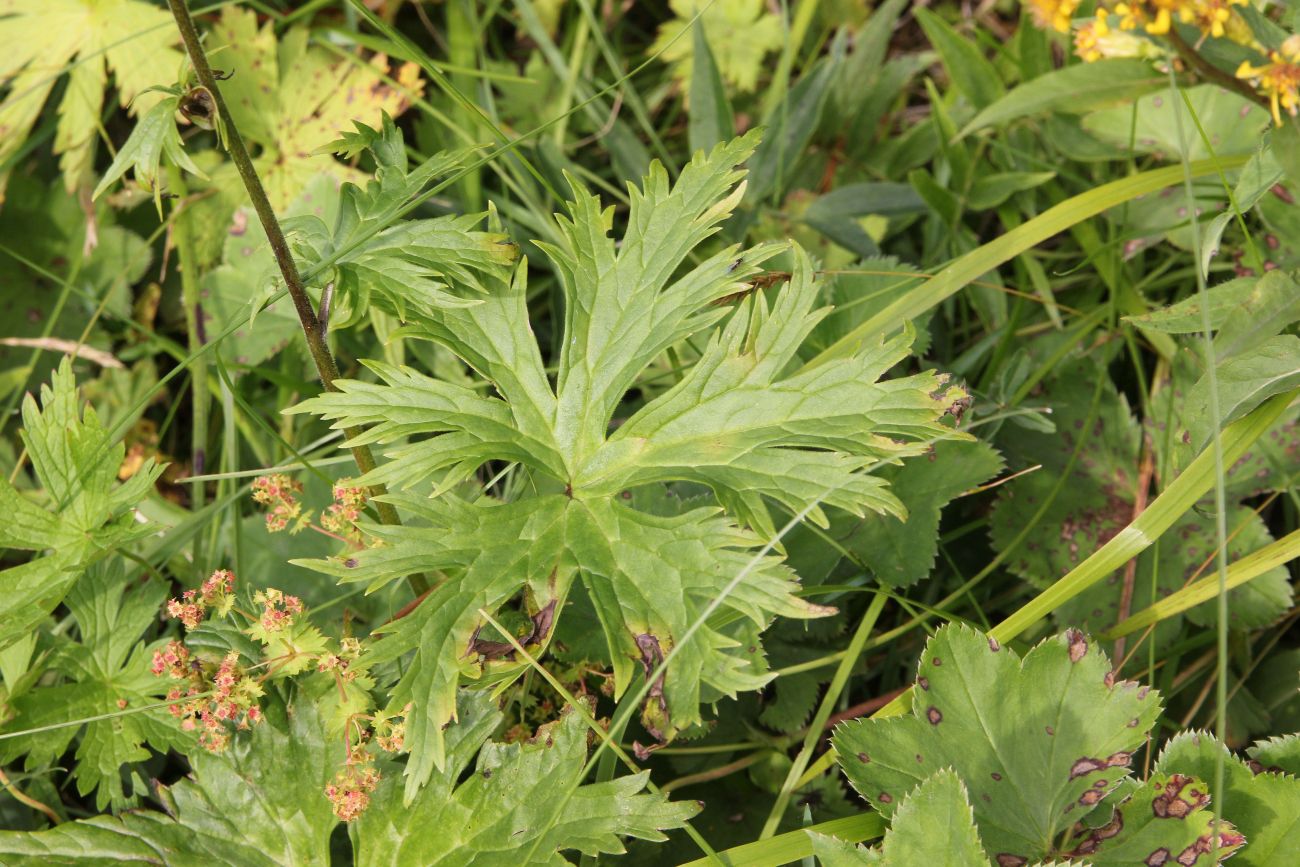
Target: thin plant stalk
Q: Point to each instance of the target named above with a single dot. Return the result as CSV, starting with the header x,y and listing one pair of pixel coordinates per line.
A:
x,y
312,329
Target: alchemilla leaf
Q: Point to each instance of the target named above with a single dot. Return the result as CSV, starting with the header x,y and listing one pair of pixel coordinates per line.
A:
x,y
744,421
933,825
1038,741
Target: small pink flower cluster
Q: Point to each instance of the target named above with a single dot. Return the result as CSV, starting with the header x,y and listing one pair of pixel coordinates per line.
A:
x,y
279,493
341,662
214,694
341,517
215,697
278,609
218,592
349,793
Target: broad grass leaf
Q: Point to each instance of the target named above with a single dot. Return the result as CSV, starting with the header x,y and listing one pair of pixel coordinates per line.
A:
x,y
1038,741
1243,382
711,120
969,71
1074,89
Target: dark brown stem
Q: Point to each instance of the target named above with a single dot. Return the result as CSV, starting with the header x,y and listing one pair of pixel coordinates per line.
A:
x,y
1208,71
311,327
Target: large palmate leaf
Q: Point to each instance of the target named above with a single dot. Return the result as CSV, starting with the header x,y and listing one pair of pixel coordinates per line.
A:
x,y
1261,801
1038,741
242,807
742,422
85,514
39,39
104,672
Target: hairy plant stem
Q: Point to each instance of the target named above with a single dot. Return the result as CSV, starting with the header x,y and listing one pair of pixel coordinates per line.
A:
x,y
311,326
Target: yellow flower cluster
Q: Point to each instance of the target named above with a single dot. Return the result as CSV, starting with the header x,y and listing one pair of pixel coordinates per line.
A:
x,y
1212,17
1053,14
1279,79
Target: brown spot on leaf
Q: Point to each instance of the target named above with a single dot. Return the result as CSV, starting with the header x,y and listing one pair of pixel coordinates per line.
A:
x,y
885,798
864,758
923,682
1178,797
993,645
1157,858
1078,644
1084,766
1049,730
936,662
1091,797
933,715
996,776
1119,760
1006,859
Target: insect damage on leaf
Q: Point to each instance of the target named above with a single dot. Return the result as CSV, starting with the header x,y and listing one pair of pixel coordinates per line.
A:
x,y
744,422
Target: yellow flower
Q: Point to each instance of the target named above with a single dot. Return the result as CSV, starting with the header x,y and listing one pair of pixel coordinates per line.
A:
x,y
1211,17
1055,14
1279,79
1094,40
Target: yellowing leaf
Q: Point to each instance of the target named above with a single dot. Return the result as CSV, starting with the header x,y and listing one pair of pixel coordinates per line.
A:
x,y
740,33
293,99
42,39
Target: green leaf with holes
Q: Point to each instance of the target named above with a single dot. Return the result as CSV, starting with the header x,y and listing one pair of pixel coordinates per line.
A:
x,y
1038,741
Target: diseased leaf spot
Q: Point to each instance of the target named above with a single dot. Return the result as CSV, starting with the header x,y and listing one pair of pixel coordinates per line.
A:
x,y
936,662
1157,858
923,682
993,645
1078,644
934,715
1005,859
864,758
1049,730
1085,766
919,760
885,798
996,776
1090,797
1119,760
1179,797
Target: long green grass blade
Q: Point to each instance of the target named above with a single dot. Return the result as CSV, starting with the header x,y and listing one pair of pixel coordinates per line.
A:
x,y
965,269
1243,571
